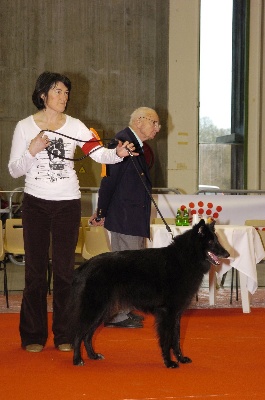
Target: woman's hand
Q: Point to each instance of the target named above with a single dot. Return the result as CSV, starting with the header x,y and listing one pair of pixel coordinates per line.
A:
x,y
39,143
124,149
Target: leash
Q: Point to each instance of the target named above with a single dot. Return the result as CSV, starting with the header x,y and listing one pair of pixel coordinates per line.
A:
x,y
150,195
77,140
100,146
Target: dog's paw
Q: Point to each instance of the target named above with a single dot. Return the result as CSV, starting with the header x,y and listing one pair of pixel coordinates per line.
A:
x,y
171,364
184,360
79,362
99,356
95,356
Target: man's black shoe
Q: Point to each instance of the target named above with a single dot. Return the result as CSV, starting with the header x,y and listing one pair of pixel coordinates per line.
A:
x,y
127,323
135,317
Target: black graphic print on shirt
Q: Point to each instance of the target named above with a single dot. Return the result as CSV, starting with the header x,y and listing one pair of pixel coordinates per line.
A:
x,y
51,166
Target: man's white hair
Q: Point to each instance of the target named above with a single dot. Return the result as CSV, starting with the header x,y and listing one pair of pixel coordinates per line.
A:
x,y
140,112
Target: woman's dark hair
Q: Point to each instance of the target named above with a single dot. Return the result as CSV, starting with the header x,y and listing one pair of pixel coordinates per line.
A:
x,y
44,83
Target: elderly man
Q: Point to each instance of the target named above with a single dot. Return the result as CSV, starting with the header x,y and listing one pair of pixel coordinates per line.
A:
x,y
124,205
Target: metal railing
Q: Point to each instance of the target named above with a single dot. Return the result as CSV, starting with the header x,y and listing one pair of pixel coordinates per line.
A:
x,y
230,191
155,190
11,210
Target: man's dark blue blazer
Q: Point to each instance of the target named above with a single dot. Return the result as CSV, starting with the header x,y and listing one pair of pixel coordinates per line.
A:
x,y
123,199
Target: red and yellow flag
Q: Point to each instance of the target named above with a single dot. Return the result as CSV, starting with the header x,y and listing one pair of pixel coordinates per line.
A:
x,y
103,168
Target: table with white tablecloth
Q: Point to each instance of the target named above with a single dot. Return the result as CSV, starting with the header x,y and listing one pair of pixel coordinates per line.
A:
x,y
245,248
224,209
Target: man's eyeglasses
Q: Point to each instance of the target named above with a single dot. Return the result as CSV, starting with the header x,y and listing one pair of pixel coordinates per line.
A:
x,y
155,123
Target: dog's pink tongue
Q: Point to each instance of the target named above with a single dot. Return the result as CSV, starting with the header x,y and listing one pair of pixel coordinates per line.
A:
x,y
213,256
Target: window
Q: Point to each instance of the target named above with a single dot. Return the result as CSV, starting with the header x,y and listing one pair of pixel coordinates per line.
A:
x,y
223,82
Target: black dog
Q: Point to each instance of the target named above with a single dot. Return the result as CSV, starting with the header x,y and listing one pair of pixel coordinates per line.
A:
x,y
159,281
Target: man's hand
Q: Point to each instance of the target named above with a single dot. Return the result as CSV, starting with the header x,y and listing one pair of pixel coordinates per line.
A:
x,y
125,149
95,221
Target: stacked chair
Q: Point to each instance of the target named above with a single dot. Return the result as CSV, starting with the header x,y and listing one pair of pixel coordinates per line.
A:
x,y
96,240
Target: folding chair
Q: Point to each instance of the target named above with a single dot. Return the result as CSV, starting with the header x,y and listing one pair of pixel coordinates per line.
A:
x,y
258,223
13,239
96,240
81,238
14,242
170,221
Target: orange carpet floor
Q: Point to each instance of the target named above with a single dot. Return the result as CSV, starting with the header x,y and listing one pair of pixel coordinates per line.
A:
x,y
227,348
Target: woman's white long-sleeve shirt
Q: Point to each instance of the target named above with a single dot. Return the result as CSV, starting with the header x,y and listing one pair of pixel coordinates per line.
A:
x,y
46,176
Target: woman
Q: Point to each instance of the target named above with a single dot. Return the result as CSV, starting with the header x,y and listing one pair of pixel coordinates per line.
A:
x,y
51,203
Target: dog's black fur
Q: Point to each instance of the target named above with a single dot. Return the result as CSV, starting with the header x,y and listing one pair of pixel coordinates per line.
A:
x,y
158,281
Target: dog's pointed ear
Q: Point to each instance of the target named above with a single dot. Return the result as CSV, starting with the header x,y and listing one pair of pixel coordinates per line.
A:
x,y
200,226
201,230
201,223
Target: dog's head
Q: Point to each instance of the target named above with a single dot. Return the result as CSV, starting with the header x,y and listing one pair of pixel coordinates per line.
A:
x,y
211,245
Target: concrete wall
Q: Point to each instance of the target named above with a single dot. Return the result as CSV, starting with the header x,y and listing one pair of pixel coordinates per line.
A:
x,y
121,54
114,51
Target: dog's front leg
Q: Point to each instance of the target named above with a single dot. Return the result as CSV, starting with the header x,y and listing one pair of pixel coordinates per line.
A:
x,y
89,348
176,344
77,359
165,331
168,362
